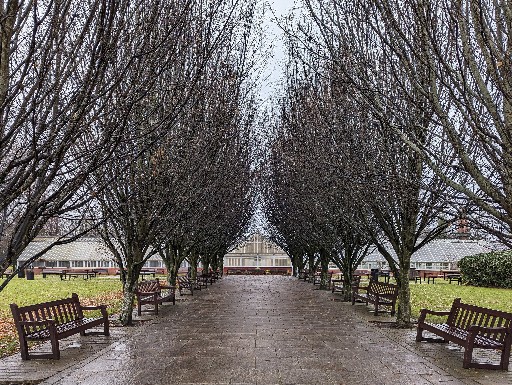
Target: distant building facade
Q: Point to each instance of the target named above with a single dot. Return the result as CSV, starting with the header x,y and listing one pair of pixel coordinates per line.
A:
x,y
257,253
84,253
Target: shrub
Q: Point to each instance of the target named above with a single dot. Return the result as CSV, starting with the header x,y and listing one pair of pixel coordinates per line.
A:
x,y
487,270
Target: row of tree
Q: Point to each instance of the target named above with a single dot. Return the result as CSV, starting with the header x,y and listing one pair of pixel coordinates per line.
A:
x,y
394,124
131,120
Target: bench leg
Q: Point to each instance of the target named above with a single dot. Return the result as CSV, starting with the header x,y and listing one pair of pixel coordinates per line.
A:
x,y
376,310
156,308
468,353
505,358
24,350
419,334
55,348
139,308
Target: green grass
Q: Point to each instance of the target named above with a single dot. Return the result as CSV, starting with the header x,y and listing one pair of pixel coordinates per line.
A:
x,y
23,292
439,296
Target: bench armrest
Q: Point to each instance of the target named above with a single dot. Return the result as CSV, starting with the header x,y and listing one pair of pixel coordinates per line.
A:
x,y
424,312
435,312
167,287
103,309
97,307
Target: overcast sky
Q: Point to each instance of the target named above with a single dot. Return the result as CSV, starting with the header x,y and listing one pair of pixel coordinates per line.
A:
x,y
274,69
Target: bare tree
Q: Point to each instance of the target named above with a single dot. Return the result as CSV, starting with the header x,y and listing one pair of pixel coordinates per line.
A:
x,y
465,45
54,59
180,109
165,64
392,185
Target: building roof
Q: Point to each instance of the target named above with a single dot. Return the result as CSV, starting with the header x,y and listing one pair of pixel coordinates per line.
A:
x,y
441,250
79,250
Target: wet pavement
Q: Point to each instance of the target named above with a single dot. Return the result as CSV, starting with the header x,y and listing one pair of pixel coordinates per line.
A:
x,y
255,330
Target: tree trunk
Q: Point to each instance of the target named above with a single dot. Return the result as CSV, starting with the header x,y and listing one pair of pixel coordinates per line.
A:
x,y
348,277
193,267
295,268
170,263
324,263
311,266
206,260
173,256
403,315
221,265
125,317
215,262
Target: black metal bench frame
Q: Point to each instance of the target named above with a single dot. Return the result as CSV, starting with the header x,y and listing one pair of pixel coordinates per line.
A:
x,y
54,321
471,326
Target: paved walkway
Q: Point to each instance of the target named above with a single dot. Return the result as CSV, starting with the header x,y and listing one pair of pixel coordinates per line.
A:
x,y
255,330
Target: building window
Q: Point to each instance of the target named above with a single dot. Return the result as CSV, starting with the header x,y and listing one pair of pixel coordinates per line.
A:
x,y
77,263
282,262
64,264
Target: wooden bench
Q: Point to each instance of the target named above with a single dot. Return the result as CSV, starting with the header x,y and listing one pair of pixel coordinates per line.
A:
x,y
318,278
6,274
100,271
61,273
53,321
337,284
201,280
471,327
144,274
185,283
377,293
454,277
75,273
153,293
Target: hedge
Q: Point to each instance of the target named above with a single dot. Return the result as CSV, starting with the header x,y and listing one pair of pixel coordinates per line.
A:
x,y
487,270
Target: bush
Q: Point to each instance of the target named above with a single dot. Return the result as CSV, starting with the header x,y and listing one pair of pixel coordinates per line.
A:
x,y
487,270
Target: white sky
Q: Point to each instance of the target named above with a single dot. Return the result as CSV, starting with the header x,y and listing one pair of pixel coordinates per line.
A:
x,y
273,72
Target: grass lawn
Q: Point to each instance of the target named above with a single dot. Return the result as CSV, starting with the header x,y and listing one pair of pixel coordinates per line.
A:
x,y
23,292
439,296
